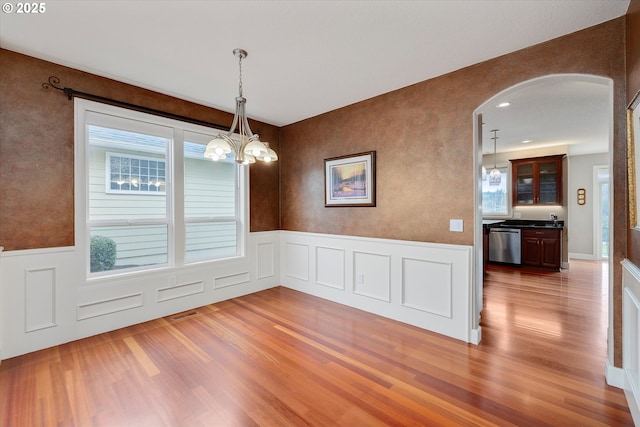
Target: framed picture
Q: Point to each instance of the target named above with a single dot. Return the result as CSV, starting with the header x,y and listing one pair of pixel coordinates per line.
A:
x,y
633,159
350,180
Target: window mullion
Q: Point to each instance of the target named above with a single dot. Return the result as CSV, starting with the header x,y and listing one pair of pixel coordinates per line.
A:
x,y
201,220
179,239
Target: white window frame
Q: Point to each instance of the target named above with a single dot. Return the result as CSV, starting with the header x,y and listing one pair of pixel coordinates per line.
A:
x,y
174,171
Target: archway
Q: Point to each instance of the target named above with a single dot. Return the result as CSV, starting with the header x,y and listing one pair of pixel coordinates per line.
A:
x,y
554,112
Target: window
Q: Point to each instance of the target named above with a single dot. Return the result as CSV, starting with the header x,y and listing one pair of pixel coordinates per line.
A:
x,y
135,174
495,198
151,199
210,202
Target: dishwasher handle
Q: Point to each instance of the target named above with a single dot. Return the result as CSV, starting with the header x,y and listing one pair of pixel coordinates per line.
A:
x,y
504,230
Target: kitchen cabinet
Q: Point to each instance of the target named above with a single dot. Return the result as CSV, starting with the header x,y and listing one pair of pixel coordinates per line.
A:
x,y
541,248
537,180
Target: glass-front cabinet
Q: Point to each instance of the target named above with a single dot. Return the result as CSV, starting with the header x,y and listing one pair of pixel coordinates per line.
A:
x,y
537,181
523,179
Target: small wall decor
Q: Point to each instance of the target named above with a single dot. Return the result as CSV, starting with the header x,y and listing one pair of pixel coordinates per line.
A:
x,y
582,196
350,180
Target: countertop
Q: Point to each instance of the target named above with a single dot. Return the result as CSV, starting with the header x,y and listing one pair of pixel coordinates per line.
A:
x,y
522,223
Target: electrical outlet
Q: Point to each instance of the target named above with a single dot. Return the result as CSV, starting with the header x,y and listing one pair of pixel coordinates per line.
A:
x,y
552,215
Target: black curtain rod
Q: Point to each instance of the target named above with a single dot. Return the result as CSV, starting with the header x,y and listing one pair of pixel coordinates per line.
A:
x,y
53,82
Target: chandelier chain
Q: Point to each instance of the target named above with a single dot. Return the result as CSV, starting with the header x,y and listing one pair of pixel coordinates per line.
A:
x,y
240,68
495,140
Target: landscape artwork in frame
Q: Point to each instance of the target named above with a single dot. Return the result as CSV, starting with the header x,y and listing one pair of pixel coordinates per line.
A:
x,y
350,180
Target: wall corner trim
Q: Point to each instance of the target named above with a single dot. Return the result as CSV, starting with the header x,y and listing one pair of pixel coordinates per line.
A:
x,y
614,375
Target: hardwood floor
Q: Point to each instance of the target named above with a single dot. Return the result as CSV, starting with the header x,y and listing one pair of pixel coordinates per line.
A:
x,y
283,358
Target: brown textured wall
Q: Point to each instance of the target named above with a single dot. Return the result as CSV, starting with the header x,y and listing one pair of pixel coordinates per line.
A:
x,y
633,49
423,138
633,86
36,150
264,179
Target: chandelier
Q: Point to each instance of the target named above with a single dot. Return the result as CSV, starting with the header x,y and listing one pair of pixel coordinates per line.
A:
x,y
495,176
246,145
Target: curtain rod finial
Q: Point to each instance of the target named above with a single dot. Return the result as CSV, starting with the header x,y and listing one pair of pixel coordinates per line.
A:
x,y
53,82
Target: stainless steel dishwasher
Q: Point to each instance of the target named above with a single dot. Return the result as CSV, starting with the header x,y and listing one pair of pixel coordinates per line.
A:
x,y
504,245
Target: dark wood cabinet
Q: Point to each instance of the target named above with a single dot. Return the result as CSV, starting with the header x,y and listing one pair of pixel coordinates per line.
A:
x,y
541,248
537,180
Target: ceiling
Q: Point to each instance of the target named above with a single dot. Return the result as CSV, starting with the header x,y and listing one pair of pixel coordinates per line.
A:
x,y
305,57
572,111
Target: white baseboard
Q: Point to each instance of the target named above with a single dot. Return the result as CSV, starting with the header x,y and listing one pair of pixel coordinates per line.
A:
x,y
476,336
633,407
614,376
589,257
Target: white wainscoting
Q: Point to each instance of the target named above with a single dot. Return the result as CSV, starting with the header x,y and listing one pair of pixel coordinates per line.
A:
x,y
631,336
423,284
2,321
46,300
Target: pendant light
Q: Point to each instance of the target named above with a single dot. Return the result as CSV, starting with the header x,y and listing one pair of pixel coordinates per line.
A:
x,y
246,146
495,176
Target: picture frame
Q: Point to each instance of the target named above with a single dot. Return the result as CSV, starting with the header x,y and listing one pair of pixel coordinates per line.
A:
x,y
633,159
350,180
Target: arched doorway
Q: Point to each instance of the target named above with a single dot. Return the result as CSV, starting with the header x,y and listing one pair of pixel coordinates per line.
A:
x,y
561,113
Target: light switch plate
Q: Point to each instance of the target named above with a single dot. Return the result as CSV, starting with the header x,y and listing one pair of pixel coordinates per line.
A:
x,y
456,225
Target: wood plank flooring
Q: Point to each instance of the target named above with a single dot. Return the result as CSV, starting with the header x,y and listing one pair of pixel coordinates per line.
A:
x,y
283,358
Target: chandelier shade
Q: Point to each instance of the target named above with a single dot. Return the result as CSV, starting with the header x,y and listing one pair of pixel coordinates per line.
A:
x,y
245,145
495,177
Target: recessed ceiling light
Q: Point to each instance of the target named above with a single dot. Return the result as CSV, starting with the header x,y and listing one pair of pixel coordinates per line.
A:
x,y
503,104
526,141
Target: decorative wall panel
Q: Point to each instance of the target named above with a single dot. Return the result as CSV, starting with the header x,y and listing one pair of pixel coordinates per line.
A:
x,y
297,261
40,299
231,280
330,270
266,260
371,273
180,291
110,305
427,286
